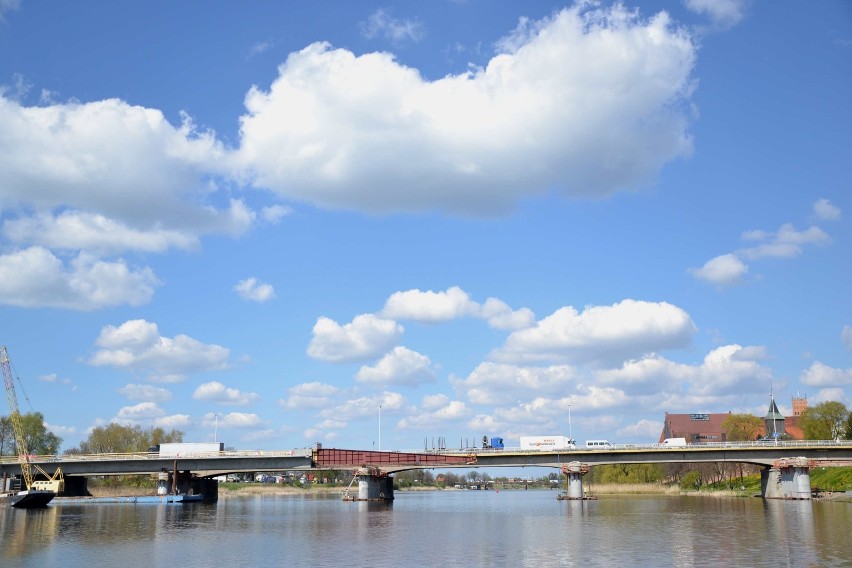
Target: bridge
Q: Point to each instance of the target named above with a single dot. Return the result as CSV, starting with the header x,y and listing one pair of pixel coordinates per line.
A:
x,y
785,473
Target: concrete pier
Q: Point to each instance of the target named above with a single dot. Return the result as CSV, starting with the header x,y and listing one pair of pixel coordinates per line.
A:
x,y
788,478
373,485
574,473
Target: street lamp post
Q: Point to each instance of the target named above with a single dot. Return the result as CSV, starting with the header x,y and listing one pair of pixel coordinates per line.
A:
x,y
380,427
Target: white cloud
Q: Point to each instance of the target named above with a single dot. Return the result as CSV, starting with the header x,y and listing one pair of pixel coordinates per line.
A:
x,y
724,13
215,391
726,370
365,407
61,430
34,277
260,47
366,337
429,306
254,290
846,337
72,230
821,375
309,395
138,413
116,164
606,92
147,393
382,24
642,429
443,416
724,269
825,210
173,421
166,378
137,344
402,366
627,329
551,413
453,303
787,242
274,213
434,401
826,395
232,420
494,383
501,316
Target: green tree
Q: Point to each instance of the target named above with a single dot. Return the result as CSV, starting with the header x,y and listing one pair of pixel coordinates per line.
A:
x,y
692,480
742,427
825,421
38,439
117,439
849,426
627,473
7,436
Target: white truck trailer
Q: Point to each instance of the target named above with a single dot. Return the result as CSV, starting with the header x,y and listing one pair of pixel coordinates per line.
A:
x,y
184,449
547,443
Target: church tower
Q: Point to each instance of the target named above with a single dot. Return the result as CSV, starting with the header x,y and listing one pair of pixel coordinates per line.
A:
x,y
800,404
774,421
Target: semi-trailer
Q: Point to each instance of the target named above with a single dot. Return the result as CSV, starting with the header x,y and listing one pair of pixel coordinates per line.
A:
x,y
183,449
547,443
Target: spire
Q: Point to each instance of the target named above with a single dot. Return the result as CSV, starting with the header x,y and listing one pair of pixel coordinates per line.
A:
x,y
773,413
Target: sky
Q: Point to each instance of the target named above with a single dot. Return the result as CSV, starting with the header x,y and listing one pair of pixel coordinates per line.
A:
x,y
397,225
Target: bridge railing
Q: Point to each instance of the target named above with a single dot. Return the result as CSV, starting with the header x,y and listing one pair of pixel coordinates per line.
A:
x,y
300,452
631,447
306,452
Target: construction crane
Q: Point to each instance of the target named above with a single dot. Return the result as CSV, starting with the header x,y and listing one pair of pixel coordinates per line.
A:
x,y
37,493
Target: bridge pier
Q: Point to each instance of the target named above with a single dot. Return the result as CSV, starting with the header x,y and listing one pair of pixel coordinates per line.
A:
x,y
574,473
373,485
788,478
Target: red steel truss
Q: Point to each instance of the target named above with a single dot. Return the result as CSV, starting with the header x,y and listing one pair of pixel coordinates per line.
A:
x,y
360,458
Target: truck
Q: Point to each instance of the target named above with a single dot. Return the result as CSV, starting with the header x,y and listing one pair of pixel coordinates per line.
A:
x,y
496,443
674,442
547,443
183,449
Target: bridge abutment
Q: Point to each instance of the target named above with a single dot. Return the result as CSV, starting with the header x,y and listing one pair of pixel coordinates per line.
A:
x,y
788,478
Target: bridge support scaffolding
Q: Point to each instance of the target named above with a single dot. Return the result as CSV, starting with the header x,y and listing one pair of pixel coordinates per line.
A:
x,y
373,485
788,478
574,473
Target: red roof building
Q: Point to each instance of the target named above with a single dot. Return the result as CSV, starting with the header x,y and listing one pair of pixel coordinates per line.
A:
x,y
700,428
697,428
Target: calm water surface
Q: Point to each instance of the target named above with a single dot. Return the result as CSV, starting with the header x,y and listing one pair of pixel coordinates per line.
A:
x,y
438,528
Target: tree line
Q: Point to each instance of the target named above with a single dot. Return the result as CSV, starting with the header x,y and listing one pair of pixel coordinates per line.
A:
x,y
110,439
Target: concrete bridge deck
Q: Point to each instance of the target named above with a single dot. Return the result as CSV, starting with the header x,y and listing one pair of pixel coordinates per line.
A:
x,y
824,452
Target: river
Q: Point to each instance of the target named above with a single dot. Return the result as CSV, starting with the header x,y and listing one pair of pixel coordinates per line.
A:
x,y
433,528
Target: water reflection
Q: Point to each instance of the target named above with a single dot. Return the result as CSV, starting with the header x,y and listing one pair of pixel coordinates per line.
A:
x,y
432,528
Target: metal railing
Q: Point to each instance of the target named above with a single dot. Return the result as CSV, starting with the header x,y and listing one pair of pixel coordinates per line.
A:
x,y
301,452
306,452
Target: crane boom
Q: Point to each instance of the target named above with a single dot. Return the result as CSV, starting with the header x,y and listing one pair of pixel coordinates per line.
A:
x,y
17,422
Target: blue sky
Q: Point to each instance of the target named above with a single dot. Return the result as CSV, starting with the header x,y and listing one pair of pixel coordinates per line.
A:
x,y
282,223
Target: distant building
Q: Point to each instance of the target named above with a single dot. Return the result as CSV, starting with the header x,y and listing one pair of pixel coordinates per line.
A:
x,y
697,428
800,404
774,422
700,428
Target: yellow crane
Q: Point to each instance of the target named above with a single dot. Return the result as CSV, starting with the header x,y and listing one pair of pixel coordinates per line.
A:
x,y
38,493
